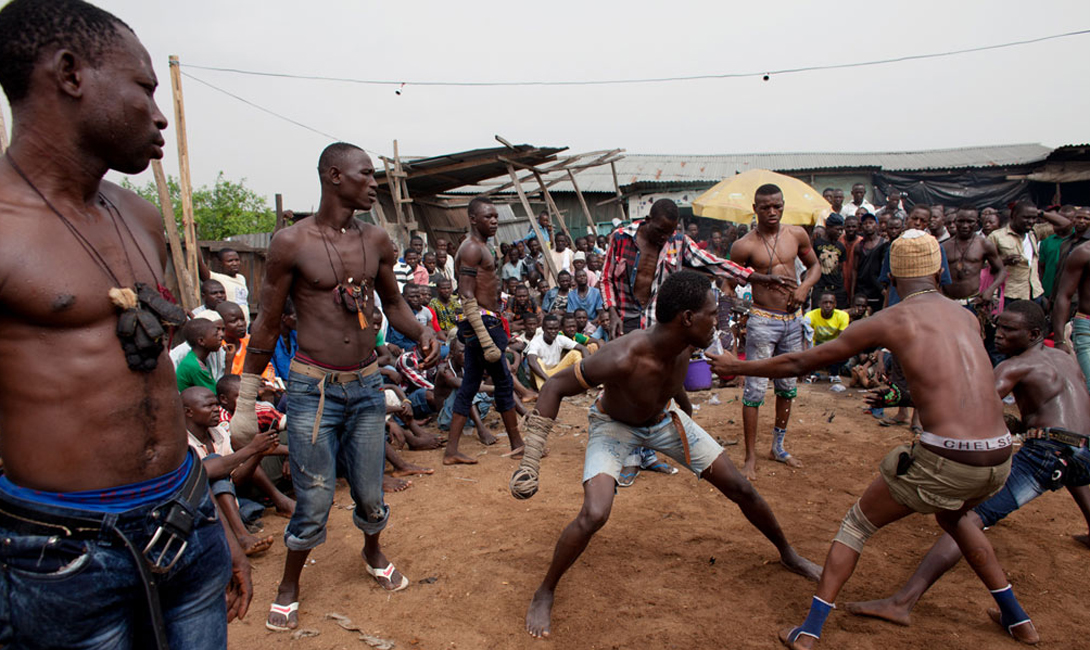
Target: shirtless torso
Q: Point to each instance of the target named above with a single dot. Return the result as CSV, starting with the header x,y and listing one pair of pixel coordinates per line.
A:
x,y
774,253
477,255
1045,385
967,255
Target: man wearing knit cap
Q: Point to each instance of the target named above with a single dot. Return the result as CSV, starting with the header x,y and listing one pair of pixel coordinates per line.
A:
x,y
961,459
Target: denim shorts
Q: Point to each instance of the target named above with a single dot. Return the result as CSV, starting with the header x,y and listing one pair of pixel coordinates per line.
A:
x,y
1080,342
58,592
351,436
475,366
612,445
1034,470
765,338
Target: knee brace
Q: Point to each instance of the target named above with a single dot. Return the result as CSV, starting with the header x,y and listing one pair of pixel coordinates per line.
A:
x,y
855,530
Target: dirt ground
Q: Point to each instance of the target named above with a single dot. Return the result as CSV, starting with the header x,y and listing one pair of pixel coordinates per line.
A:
x,y
677,566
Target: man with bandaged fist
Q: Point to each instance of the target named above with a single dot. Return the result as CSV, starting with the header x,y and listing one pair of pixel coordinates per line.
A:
x,y
482,330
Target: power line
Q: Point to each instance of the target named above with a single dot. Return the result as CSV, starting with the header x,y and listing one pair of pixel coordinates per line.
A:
x,y
613,82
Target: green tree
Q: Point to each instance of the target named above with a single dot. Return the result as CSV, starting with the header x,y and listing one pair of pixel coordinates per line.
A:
x,y
227,208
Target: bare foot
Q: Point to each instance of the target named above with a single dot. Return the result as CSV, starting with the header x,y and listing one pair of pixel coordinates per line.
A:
x,y
515,453
486,436
539,615
278,621
458,458
529,398
408,469
886,609
796,563
749,470
1083,539
426,442
803,642
1024,632
285,509
788,460
391,484
252,545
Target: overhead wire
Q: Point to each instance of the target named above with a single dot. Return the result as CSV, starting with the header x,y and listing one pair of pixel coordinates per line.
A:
x,y
613,82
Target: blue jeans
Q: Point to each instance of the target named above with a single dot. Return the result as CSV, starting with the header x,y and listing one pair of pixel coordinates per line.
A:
x,y
475,366
70,593
1033,472
1080,341
352,435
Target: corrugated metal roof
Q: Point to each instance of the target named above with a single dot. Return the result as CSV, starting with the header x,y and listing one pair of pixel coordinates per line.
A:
x,y
681,169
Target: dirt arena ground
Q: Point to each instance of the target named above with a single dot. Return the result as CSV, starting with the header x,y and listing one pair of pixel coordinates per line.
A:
x,y
677,566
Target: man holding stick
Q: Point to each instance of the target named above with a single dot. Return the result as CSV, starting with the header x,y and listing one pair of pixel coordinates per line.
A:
x,y
961,460
633,412
330,264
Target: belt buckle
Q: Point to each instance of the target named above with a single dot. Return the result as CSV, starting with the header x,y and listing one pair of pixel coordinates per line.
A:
x,y
176,526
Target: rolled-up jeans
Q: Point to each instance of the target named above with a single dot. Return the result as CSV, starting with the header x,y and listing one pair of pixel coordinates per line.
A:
x,y
1080,340
351,434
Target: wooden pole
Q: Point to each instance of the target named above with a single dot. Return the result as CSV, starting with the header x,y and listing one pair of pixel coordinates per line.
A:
x,y
184,182
552,206
533,220
3,133
279,212
185,280
583,202
617,187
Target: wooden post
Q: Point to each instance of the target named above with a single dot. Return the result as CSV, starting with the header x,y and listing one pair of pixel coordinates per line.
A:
x,y
583,202
185,280
617,187
3,133
552,206
279,212
533,220
184,181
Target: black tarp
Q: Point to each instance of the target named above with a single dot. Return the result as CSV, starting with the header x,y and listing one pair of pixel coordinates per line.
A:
x,y
980,188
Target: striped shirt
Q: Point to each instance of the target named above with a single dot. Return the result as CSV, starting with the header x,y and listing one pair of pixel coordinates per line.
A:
x,y
618,279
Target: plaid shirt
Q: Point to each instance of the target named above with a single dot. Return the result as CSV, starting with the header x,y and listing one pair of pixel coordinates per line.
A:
x,y
618,280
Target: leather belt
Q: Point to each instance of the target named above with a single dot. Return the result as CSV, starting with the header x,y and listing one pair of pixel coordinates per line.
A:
x,y
1056,434
325,376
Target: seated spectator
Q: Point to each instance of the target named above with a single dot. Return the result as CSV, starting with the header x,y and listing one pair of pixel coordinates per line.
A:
x,y
204,337
212,294
587,326
275,463
543,354
444,306
512,266
222,463
236,339
396,338
402,425
427,275
585,296
860,308
556,299
579,263
286,343
523,304
825,324
404,270
216,361
570,328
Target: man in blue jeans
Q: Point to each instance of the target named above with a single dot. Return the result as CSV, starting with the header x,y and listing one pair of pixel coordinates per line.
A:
x,y
483,332
110,537
331,264
1056,411
1075,277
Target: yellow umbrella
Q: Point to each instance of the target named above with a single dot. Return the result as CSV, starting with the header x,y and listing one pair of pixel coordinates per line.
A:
x,y
732,199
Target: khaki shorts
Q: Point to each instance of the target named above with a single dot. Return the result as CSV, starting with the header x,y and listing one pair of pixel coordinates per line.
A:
x,y
933,483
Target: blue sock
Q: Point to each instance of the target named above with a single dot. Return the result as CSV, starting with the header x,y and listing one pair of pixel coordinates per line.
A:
x,y
777,442
815,620
1012,612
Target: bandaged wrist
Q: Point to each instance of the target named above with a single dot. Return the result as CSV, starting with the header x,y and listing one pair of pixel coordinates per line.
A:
x,y
535,433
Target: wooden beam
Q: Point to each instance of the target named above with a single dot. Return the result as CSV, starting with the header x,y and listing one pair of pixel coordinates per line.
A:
x,y
583,204
533,222
617,186
184,182
552,207
279,212
189,296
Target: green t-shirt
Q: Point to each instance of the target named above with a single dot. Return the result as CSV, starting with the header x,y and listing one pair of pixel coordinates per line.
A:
x,y
190,373
380,339
1049,251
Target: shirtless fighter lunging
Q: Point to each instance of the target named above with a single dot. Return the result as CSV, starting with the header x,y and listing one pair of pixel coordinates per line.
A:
x,y
1055,408
331,264
633,412
96,463
961,460
775,321
483,333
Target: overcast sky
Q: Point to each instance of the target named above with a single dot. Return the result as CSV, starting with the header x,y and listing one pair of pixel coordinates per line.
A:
x,y
1032,93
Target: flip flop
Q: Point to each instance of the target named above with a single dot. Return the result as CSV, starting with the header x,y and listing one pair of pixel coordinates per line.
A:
x,y
626,479
662,468
287,611
387,573
890,422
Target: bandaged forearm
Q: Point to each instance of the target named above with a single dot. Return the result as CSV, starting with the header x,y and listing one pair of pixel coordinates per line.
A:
x,y
535,433
473,315
244,421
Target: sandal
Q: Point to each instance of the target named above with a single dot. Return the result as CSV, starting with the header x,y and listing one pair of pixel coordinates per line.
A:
x,y
287,611
627,478
662,468
387,575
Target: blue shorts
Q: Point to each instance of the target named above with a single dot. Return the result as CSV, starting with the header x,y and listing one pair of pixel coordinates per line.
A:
x,y
1035,469
419,400
612,445
765,338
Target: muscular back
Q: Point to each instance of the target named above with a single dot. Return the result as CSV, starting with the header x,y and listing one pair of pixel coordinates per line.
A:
x,y
1048,387
73,416
771,256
